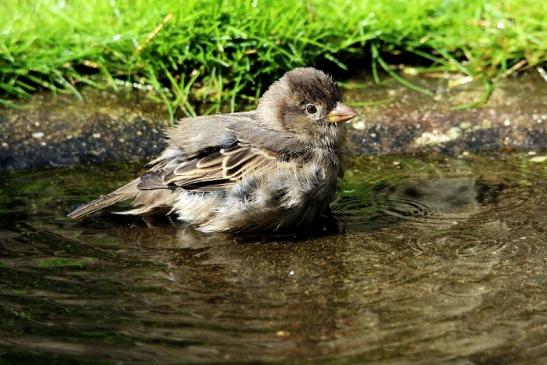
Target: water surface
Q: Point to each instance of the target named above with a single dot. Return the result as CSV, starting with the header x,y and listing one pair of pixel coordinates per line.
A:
x,y
429,260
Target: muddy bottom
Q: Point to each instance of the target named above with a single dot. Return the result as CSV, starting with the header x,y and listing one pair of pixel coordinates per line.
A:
x,y
428,260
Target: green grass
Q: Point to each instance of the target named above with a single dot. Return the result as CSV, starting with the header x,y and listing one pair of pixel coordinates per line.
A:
x,y
217,52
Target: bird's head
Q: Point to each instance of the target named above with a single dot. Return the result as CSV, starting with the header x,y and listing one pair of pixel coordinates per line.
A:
x,y
306,102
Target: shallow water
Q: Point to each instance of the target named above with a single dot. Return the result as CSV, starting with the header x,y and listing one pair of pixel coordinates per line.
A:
x,y
429,260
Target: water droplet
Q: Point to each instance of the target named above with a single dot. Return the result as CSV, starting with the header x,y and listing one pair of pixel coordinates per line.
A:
x,y
291,273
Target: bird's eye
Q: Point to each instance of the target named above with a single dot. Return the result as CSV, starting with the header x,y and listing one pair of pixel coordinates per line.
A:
x,y
311,109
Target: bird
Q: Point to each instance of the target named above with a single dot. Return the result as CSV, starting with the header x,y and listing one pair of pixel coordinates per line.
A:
x,y
269,169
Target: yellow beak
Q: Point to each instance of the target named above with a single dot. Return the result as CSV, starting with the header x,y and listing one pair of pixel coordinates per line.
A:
x,y
341,113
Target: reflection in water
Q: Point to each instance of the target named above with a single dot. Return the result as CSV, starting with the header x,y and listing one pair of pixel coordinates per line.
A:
x,y
417,200
434,262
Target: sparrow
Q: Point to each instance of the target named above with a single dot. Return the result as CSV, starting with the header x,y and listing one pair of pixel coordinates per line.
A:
x,y
269,169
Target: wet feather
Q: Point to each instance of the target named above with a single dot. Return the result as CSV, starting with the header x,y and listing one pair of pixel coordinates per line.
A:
x,y
268,169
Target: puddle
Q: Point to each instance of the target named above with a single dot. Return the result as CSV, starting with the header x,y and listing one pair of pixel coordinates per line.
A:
x,y
429,260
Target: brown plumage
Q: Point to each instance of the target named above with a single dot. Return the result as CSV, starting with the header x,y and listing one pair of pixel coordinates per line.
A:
x,y
267,169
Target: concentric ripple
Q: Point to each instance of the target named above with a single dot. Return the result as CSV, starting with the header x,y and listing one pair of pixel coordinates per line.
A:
x,y
458,242
423,201
447,198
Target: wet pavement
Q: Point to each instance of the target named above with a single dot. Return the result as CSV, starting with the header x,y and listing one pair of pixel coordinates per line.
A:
x,y
61,130
405,121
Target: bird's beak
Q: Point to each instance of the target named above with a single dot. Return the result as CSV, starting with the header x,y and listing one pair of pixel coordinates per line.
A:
x,y
341,114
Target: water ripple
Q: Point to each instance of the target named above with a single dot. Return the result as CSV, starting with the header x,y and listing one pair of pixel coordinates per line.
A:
x,y
458,242
441,261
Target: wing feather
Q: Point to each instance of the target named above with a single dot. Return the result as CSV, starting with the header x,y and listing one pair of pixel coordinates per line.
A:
x,y
217,171
252,149
205,154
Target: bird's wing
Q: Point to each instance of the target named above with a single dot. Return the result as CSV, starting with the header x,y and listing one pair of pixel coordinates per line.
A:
x,y
216,171
204,154
282,143
196,137
216,166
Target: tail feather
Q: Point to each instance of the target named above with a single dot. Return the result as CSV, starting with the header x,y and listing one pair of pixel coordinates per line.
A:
x,y
126,192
